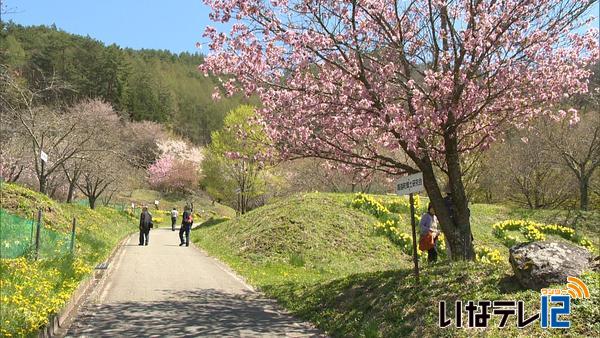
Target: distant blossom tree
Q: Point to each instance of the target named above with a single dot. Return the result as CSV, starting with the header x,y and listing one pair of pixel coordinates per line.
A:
x,y
366,82
170,174
159,170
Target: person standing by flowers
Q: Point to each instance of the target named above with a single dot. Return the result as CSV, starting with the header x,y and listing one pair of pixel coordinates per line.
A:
x,y
429,234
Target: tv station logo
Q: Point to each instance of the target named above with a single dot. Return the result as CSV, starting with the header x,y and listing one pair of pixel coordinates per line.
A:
x,y
555,306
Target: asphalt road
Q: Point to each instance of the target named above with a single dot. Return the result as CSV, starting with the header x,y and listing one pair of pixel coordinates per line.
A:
x,y
166,290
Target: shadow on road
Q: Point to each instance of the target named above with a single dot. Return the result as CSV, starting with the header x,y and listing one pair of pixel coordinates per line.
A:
x,y
203,312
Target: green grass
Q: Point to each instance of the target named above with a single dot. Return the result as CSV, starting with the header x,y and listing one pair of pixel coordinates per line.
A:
x,y
31,291
319,259
316,228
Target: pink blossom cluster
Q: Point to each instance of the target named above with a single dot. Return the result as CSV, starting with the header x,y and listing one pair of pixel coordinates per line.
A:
x,y
171,174
357,81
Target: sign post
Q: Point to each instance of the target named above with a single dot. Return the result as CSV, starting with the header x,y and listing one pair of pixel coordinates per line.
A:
x,y
73,235
37,234
410,185
414,235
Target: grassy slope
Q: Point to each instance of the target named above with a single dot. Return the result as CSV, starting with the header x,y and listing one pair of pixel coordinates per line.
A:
x,y
304,238
315,255
53,279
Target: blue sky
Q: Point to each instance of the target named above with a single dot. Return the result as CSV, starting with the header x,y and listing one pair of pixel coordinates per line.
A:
x,y
175,25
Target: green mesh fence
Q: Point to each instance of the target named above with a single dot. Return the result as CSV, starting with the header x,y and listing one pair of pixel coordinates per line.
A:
x,y
18,235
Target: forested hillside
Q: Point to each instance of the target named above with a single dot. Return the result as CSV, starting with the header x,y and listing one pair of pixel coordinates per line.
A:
x,y
154,85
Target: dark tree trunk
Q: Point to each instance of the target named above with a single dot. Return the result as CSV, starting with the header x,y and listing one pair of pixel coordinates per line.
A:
x,y
71,192
461,209
456,227
453,233
72,183
14,174
43,184
92,201
584,185
42,178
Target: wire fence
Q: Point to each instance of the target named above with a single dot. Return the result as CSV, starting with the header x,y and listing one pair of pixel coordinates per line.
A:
x,y
30,237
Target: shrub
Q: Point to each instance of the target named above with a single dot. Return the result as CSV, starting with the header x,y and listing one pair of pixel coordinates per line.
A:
x,y
297,260
388,224
30,291
554,229
488,256
370,205
533,231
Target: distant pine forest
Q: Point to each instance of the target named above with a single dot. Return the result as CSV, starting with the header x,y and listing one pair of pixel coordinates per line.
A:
x,y
142,85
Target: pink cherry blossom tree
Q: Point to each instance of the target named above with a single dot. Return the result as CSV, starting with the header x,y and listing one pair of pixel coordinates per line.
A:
x,y
170,173
403,86
159,171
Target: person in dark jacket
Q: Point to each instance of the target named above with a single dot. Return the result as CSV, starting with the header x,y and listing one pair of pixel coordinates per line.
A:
x,y
186,225
145,225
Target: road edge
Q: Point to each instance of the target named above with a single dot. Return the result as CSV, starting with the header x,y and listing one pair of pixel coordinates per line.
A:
x,y
60,322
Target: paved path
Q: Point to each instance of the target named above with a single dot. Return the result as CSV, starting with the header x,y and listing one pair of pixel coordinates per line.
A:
x,y
166,290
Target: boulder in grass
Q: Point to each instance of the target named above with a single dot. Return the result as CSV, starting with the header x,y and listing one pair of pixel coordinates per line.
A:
x,y
538,264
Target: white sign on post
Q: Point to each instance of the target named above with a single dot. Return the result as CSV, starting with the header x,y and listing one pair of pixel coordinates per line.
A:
x,y
155,202
409,184
44,156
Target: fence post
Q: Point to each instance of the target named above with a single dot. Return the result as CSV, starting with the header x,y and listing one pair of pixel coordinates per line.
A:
x,y
37,234
73,234
32,224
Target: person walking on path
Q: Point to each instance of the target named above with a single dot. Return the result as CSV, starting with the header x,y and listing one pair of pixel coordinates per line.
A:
x,y
145,225
186,225
429,234
174,215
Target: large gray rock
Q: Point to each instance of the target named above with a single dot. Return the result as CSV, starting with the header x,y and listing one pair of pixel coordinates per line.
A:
x,y
539,264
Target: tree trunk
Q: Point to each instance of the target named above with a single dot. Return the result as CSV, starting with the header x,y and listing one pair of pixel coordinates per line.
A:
x,y
456,226
584,185
14,174
71,192
92,201
43,184
72,183
42,177
452,233
461,209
